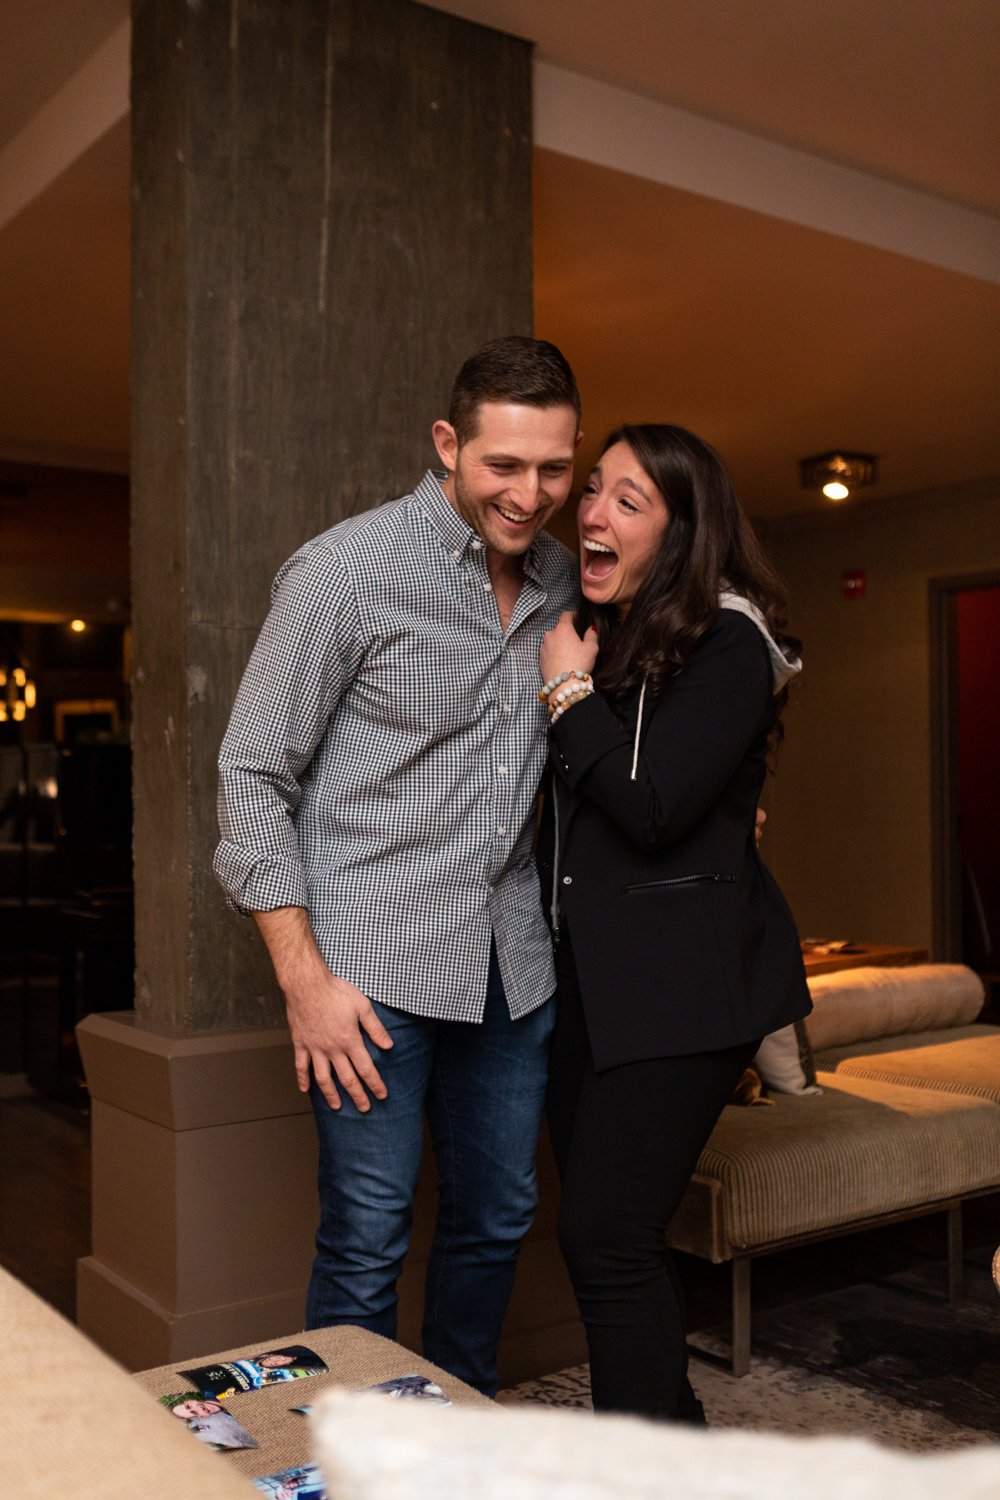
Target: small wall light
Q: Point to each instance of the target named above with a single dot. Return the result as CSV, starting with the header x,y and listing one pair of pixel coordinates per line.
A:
x,y
77,625
836,474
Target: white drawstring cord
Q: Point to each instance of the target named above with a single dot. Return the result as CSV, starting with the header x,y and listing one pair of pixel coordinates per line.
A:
x,y
638,731
554,908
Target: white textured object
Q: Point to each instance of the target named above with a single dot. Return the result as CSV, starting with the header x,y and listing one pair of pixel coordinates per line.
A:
x,y
779,1063
373,1449
861,1005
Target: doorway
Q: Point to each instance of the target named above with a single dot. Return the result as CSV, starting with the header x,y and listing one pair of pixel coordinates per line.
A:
x,y
965,635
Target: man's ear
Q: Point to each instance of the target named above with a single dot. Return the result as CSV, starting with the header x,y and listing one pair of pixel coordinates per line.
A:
x,y
579,440
446,443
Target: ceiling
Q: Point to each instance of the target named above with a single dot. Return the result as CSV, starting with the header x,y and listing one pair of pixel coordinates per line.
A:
x,y
42,43
770,338
905,89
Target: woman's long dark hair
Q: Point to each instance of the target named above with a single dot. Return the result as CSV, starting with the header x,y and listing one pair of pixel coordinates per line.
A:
x,y
708,546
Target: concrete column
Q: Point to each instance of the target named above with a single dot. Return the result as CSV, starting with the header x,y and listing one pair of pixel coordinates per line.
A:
x,y
332,207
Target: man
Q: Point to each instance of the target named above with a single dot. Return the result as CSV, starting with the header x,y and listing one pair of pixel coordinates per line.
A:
x,y
378,779
209,1421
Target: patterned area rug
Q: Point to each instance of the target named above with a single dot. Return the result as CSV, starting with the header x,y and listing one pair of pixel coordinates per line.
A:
x,y
890,1361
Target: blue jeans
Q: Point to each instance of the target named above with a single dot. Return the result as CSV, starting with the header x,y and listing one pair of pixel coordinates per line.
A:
x,y
482,1087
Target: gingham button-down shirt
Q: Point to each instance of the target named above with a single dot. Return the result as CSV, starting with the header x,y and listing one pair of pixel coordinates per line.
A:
x,y
383,757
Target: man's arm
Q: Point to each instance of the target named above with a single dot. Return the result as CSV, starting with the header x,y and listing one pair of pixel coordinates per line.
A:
x,y
304,660
326,1015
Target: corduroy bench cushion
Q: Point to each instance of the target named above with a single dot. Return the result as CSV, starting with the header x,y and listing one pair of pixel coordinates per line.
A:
x,y
963,1060
862,1149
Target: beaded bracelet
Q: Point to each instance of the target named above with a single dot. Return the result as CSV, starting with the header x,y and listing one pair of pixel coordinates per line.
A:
x,y
566,700
547,688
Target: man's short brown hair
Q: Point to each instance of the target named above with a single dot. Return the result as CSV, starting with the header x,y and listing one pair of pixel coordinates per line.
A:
x,y
517,369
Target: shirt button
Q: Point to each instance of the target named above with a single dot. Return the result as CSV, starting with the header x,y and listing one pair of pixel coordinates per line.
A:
x,y
456,555
501,831
567,880
488,587
506,708
476,543
502,770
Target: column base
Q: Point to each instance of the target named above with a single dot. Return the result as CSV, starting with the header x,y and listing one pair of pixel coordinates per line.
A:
x,y
140,1332
204,1191
205,1210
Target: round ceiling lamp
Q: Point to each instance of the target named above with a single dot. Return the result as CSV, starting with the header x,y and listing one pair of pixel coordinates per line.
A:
x,y
838,473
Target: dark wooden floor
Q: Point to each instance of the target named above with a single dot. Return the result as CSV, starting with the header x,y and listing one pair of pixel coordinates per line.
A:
x,y
45,1227
44,1196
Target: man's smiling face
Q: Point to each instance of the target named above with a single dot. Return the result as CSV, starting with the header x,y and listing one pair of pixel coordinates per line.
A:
x,y
513,473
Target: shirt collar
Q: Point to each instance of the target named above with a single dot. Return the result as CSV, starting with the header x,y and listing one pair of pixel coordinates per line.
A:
x,y
456,533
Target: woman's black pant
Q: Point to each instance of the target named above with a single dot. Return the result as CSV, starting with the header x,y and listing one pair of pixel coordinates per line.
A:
x,y
626,1142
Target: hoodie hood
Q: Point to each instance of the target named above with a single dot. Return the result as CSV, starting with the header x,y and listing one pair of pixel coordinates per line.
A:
x,y
783,668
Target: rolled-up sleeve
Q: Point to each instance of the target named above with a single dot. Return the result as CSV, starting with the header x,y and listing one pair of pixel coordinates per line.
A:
x,y
304,660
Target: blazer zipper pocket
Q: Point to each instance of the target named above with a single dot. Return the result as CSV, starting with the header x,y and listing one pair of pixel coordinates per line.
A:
x,y
659,885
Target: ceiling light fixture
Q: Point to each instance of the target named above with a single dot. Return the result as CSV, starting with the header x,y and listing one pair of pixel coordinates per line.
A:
x,y
838,473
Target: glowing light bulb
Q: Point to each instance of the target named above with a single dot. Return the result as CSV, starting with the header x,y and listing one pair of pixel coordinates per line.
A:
x,y
835,490
77,625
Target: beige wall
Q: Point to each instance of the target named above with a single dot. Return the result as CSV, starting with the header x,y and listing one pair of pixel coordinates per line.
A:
x,y
849,836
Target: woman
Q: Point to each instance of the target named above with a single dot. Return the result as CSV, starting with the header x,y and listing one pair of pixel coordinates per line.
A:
x,y
676,951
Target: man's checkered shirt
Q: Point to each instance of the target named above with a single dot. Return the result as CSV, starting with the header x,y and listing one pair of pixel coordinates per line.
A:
x,y
383,757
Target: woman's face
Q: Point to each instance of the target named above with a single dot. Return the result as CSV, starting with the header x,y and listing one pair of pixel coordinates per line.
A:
x,y
622,518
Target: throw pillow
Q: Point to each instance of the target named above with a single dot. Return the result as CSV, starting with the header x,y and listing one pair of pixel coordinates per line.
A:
x,y
862,1005
785,1061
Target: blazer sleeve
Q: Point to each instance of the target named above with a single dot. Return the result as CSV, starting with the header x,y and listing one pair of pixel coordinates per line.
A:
x,y
697,735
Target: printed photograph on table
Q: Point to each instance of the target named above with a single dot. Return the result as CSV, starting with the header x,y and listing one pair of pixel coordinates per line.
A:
x,y
271,1367
411,1388
303,1484
208,1419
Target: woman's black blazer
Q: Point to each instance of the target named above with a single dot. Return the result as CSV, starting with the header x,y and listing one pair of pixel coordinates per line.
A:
x,y
682,939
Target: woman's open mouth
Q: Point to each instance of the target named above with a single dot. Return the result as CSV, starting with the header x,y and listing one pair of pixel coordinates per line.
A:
x,y
598,560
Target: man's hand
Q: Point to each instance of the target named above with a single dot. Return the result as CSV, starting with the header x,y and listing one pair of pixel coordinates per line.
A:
x,y
327,1016
564,651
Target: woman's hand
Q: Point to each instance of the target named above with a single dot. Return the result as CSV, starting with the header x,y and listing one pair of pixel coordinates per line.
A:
x,y
564,651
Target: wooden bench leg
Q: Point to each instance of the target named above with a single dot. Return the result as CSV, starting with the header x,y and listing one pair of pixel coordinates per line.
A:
x,y
741,1316
956,1287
